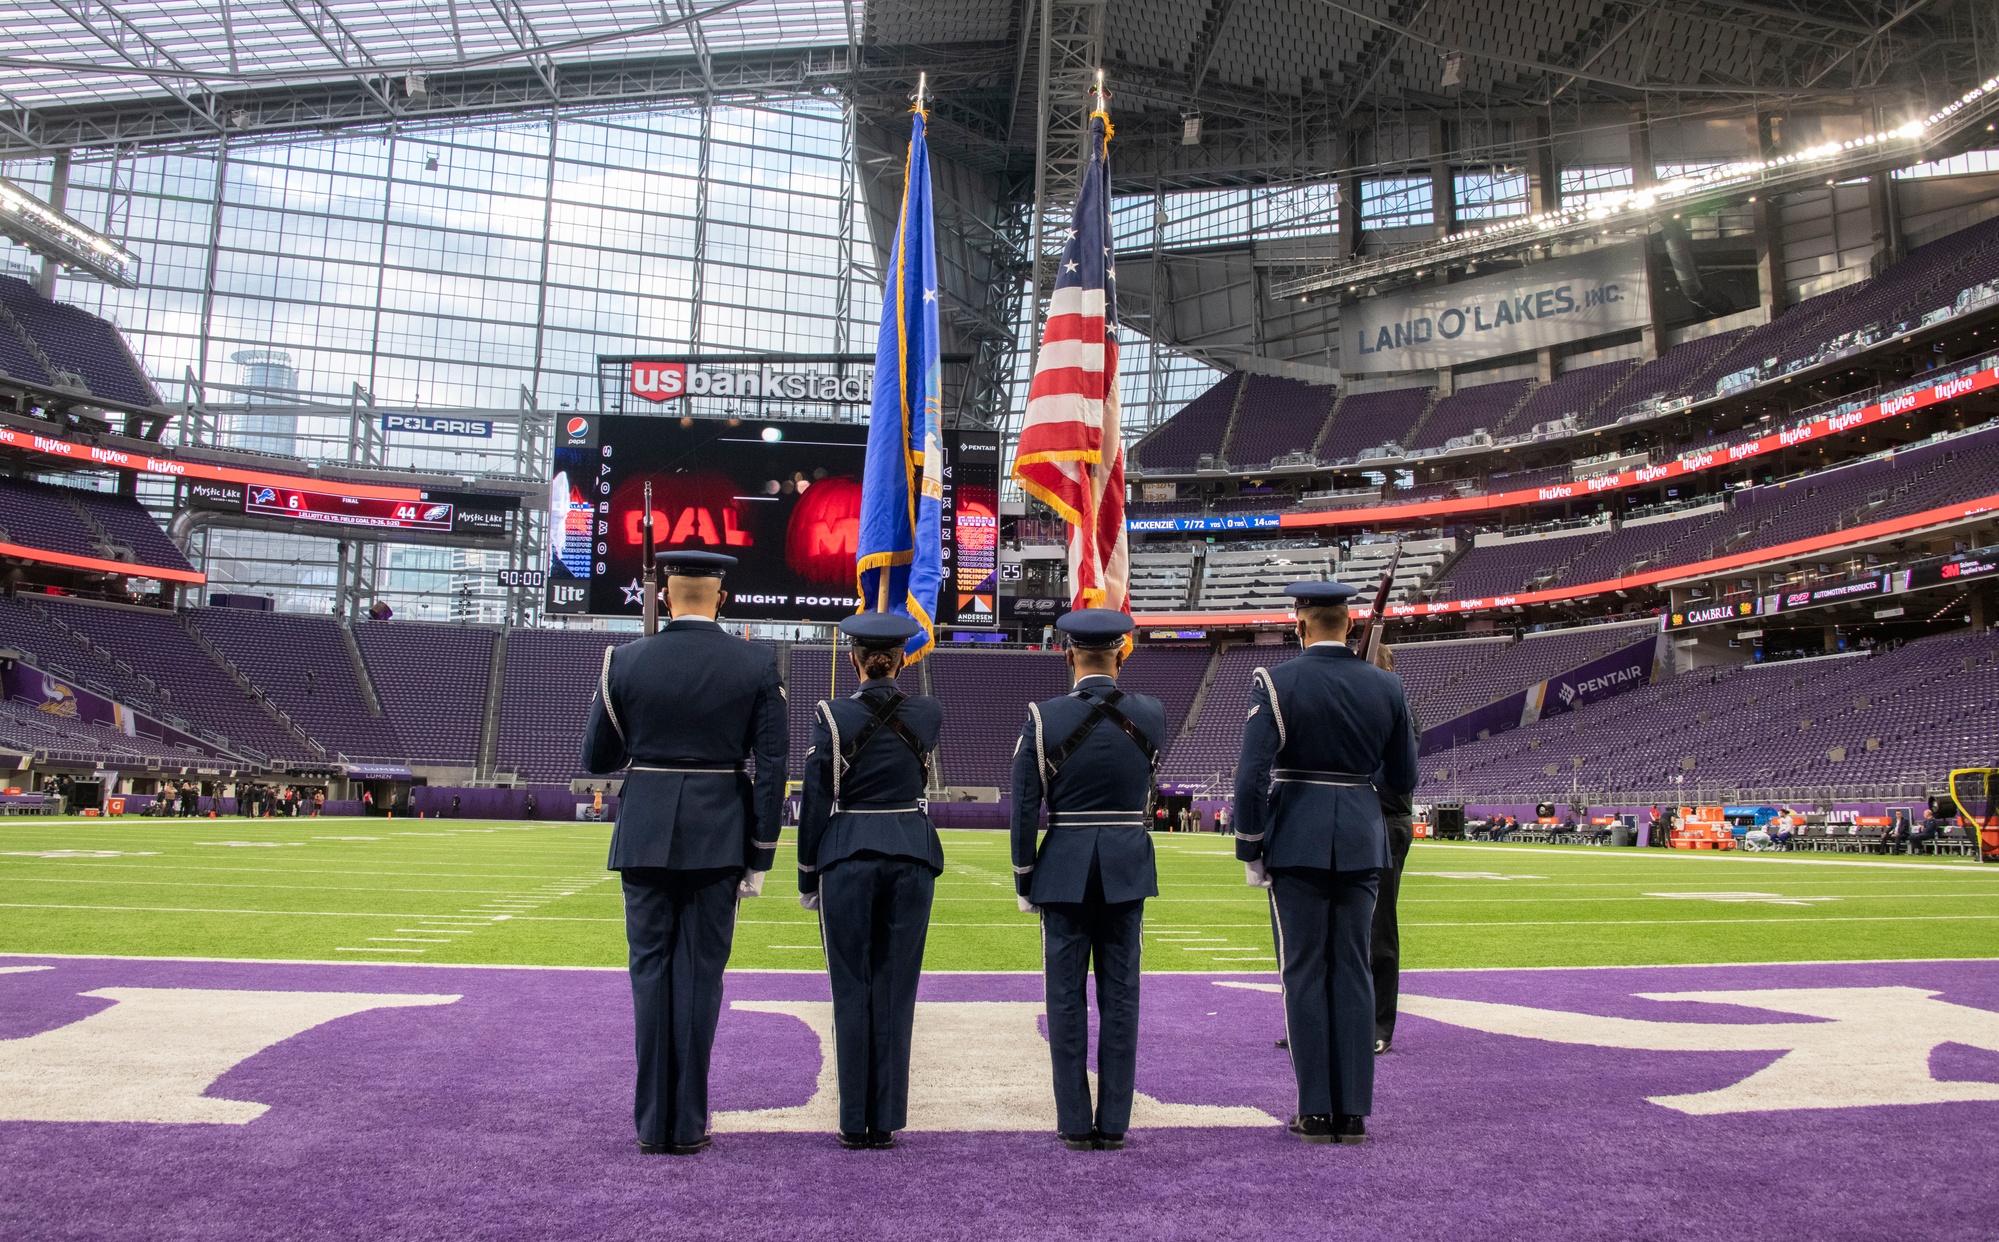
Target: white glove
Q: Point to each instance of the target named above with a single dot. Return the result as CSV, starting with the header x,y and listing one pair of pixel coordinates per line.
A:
x,y
808,901
1255,874
1026,906
751,885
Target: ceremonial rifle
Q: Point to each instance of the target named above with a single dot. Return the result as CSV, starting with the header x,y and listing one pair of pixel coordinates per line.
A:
x,y
1377,617
649,570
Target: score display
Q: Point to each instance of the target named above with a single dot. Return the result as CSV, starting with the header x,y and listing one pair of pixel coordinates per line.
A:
x,y
435,512
783,497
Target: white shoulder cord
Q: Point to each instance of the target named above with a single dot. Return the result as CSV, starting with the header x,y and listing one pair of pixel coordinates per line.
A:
x,y
1276,713
833,727
604,689
1040,746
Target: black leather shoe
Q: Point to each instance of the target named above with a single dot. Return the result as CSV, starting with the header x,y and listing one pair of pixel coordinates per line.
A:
x,y
854,1140
1283,1043
1383,1044
675,1149
1313,1128
1350,1129
880,1140
1109,1142
1078,1142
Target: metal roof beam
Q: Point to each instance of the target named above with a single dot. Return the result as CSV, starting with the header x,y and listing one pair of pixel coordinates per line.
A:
x,y
169,78
343,47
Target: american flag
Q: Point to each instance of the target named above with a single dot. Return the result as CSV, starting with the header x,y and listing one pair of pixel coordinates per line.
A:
x,y
1070,454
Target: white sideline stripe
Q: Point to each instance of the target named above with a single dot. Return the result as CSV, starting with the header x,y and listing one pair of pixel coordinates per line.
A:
x,y
22,970
1025,974
1703,855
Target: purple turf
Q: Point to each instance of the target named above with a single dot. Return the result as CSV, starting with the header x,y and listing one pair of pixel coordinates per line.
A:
x,y
506,1116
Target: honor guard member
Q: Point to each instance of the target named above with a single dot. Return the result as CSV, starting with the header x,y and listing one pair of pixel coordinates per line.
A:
x,y
868,862
1327,735
686,709
1398,812
1090,755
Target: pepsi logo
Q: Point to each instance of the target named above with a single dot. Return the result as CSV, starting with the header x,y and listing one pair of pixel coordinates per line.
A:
x,y
576,426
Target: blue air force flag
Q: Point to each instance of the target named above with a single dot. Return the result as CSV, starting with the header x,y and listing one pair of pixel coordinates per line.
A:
x,y
899,565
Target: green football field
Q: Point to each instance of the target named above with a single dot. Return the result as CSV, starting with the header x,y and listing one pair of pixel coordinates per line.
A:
x,y
467,891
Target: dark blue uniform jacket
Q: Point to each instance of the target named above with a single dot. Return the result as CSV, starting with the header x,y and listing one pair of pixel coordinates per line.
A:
x,y
1097,802
1328,734
687,709
873,805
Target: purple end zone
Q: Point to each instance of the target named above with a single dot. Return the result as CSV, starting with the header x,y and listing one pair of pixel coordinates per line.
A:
x,y
505,1114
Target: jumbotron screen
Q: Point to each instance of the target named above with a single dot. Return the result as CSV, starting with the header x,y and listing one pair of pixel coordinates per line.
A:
x,y
783,497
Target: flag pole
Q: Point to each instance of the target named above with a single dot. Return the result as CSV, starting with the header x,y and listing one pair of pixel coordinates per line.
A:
x,y
649,571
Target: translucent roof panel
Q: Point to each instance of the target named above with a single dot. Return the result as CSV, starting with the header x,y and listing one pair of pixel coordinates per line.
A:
x,y
129,49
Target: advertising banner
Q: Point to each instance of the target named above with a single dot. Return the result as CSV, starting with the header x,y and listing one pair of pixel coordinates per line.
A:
x,y
1857,588
1607,675
1963,567
1601,678
64,700
1566,299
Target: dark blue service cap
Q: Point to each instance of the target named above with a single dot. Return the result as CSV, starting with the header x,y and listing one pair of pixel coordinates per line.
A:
x,y
1095,628
1321,592
690,564
879,629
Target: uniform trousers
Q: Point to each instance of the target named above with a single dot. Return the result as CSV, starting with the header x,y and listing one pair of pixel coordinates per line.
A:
x,y
1385,944
1075,936
679,925
1322,923
874,915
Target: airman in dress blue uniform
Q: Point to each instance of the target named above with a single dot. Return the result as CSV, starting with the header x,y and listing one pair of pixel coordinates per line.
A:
x,y
1090,756
868,861
687,709
1327,735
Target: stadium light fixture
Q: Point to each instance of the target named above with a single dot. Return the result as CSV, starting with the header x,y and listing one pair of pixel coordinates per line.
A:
x,y
54,235
1633,206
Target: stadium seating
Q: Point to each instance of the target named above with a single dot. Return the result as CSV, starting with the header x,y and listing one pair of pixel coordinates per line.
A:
x,y
74,522
1484,408
166,670
1160,580
985,696
1429,669
1575,394
1195,432
1366,420
431,680
1677,372
1903,717
78,341
300,663
1278,416
550,678
1208,752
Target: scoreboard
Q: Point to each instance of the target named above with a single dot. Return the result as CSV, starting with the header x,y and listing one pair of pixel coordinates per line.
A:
x,y
435,512
782,496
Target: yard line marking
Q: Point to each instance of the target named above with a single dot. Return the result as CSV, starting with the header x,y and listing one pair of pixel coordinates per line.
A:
x,y
336,914
410,939
22,970
1771,899
344,949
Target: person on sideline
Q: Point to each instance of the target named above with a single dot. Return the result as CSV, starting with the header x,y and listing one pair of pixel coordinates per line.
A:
x,y
868,862
1090,755
1327,734
687,709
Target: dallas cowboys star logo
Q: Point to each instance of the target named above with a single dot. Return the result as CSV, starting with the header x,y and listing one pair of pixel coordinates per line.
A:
x,y
634,593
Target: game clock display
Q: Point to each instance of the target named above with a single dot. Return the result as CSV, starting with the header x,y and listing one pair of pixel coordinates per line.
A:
x,y
783,498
